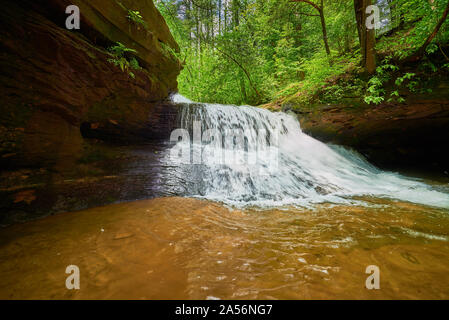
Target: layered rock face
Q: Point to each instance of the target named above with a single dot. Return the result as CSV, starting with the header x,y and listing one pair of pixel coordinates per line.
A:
x,y
59,85
411,136
65,98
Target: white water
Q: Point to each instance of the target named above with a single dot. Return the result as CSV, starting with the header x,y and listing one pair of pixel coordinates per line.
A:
x,y
303,172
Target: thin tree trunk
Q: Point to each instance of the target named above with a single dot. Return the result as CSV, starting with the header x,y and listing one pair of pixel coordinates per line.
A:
x,y
347,39
219,17
188,18
226,16
243,69
235,11
320,10
358,7
243,89
324,29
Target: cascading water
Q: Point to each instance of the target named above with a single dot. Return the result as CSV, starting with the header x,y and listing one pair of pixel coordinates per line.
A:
x,y
275,163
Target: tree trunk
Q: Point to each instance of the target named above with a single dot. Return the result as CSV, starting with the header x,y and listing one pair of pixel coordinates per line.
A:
x,y
242,88
367,37
347,39
320,10
324,29
370,51
219,17
358,7
226,16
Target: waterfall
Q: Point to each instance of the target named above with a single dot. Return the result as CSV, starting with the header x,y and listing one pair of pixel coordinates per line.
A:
x,y
248,156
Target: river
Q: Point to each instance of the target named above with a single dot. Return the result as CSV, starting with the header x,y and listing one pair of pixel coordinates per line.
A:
x,y
247,207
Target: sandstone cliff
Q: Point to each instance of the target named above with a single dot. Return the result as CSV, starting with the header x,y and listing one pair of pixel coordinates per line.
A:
x,y
59,85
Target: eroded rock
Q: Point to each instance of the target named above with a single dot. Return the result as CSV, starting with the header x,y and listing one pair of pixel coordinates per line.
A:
x,y
55,80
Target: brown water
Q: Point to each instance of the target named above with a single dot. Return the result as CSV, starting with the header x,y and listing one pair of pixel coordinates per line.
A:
x,y
179,248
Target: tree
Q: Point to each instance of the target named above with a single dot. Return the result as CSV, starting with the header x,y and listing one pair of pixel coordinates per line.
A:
x,y
320,9
367,37
257,51
420,52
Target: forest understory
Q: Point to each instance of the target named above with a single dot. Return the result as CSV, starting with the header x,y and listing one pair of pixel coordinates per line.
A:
x,y
298,54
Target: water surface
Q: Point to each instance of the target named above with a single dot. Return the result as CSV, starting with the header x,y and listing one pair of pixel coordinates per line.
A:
x,y
180,248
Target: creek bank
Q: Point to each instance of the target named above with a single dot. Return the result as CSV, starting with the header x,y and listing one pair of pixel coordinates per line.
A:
x,y
407,130
409,137
68,112
403,137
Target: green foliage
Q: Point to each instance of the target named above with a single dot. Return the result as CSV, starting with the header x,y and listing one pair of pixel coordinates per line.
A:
x,y
122,58
286,57
137,18
254,51
388,75
134,64
120,50
414,21
375,90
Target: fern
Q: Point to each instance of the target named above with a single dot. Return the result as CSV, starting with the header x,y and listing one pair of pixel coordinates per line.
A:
x,y
119,58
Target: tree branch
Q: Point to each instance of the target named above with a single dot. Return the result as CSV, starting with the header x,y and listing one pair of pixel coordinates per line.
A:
x,y
241,67
309,2
420,52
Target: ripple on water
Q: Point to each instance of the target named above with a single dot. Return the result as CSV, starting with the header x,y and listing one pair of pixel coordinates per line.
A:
x,y
188,248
